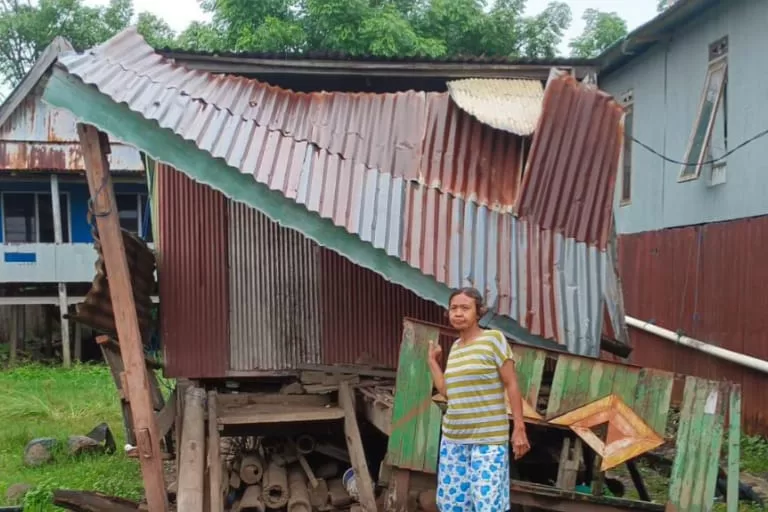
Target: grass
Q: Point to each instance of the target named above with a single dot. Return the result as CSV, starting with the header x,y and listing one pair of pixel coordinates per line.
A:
x,y
39,401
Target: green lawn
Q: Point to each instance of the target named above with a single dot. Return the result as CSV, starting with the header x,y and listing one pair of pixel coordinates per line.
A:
x,y
37,401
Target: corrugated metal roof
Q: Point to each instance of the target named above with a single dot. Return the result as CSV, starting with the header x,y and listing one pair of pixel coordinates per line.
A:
x,y
432,186
510,105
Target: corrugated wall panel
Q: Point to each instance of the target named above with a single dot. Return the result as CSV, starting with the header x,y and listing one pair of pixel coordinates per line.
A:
x,y
274,315
363,313
709,282
192,268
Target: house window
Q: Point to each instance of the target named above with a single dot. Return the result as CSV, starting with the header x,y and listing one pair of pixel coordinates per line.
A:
x,y
132,211
712,103
627,101
28,218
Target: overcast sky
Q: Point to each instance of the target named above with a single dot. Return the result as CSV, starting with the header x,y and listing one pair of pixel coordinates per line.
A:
x,y
179,13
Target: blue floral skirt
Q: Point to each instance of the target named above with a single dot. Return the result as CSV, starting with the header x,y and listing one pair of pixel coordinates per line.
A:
x,y
473,477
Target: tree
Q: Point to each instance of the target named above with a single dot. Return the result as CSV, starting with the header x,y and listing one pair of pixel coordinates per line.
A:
x,y
601,31
387,28
26,29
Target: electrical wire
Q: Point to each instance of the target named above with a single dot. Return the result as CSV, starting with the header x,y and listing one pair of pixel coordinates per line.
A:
x,y
707,162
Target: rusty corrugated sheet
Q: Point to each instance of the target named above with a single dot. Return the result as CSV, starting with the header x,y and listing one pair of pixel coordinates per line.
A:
x,y
571,171
362,313
192,269
510,105
708,282
39,137
96,310
251,125
275,310
332,154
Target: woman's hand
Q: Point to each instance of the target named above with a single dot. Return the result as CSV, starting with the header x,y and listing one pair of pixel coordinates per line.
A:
x,y
435,351
520,445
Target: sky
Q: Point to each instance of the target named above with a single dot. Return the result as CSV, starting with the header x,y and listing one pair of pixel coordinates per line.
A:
x,y
179,13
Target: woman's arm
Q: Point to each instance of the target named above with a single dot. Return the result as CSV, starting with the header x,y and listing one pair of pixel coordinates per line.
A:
x,y
509,377
520,444
435,351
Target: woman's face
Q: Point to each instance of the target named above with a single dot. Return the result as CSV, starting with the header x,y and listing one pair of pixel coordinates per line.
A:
x,y
462,312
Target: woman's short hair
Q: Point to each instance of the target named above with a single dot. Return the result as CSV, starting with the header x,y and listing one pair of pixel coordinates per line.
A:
x,y
473,294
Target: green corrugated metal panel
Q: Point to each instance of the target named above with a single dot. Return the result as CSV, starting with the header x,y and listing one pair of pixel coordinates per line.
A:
x,y
579,381
416,419
699,439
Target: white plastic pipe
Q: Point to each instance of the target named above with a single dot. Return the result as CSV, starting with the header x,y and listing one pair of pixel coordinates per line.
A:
x,y
728,355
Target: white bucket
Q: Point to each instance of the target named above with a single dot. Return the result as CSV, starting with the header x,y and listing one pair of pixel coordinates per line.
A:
x,y
348,479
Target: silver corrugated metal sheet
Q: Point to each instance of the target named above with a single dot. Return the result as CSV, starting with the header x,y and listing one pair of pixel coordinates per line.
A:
x,y
368,177
510,105
274,294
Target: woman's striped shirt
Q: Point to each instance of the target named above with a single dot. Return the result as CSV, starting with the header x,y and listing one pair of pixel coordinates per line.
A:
x,y
477,405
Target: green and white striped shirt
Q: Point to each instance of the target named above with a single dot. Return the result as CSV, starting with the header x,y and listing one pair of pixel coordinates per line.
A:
x,y
477,406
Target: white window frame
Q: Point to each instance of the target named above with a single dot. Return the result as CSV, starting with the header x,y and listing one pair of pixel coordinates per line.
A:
x,y
36,195
139,209
716,65
628,104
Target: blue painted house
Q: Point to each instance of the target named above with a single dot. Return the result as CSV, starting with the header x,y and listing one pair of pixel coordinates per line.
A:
x,y
42,261
692,197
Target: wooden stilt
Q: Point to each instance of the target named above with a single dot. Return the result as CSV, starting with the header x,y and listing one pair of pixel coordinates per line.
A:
x,y
355,447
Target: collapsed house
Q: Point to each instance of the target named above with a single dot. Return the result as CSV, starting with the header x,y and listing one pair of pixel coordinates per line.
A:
x,y
296,232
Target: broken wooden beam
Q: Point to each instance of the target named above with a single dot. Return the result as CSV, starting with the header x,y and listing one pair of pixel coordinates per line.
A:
x,y
95,148
363,480
88,501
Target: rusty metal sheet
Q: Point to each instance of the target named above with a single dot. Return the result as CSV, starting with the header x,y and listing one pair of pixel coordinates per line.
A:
x,y
192,269
432,187
275,309
38,137
96,310
426,138
362,313
510,105
570,175
706,281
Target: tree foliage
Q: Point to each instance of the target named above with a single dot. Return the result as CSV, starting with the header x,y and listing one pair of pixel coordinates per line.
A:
x,y
27,27
601,31
387,28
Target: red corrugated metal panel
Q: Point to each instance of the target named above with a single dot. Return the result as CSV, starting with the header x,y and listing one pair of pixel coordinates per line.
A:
x,y
192,270
362,313
571,172
709,282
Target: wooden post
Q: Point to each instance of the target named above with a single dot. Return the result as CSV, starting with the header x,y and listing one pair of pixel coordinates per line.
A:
x,y
95,147
58,238
214,455
13,334
191,471
355,447
78,342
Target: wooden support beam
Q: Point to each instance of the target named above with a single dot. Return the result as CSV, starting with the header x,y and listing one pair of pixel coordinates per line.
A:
x,y
355,447
214,456
191,470
95,147
58,238
13,333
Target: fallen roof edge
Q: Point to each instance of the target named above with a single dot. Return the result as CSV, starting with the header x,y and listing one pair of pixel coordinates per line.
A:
x,y
91,106
49,56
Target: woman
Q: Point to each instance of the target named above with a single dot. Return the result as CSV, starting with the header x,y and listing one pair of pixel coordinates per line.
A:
x,y
473,472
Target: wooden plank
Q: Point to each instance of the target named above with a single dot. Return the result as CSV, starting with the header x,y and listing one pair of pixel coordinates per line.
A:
x,y
683,432
356,450
13,331
734,445
529,367
215,469
261,414
230,400
95,147
167,416
349,369
712,446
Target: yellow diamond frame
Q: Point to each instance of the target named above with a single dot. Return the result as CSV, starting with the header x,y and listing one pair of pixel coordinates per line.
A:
x,y
628,435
